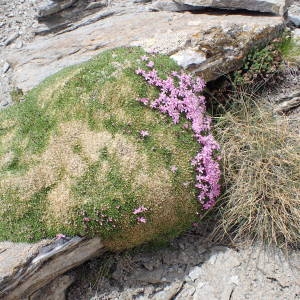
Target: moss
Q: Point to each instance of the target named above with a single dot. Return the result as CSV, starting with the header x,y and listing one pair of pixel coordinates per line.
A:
x,y
73,157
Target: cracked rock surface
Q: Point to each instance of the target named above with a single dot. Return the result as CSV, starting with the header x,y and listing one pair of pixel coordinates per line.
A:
x,y
190,269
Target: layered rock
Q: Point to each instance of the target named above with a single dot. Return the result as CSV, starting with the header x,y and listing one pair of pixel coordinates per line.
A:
x,y
26,268
294,15
51,7
277,7
218,43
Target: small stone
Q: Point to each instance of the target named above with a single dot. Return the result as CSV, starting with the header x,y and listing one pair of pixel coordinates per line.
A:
x,y
5,67
188,57
195,273
294,15
4,103
234,279
169,292
94,5
149,277
11,38
19,44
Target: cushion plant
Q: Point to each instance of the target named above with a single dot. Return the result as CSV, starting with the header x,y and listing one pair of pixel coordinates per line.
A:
x,y
81,156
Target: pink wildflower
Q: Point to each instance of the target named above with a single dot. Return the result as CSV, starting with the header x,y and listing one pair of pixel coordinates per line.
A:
x,y
144,133
150,64
60,236
153,51
142,220
145,101
140,210
144,58
183,99
174,169
86,219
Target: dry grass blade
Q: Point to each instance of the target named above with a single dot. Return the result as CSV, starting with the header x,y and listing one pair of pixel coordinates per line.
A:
x,y
261,167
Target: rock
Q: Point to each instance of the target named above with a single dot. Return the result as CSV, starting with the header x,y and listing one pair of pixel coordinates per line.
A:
x,y
152,277
55,290
19,45
277,7
4,103
189,57
195,273
169,6
169,292
294,15
287,105
5,67
222,42
296,35
52,7
26,268
11,38
94,5
186,293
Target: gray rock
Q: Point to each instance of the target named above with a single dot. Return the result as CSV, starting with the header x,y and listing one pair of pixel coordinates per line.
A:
x,y
294,15
189,57
5,67
55,290
195,273
53,7
4,103
153,277
94,5
169,6
223,39
168,292
11,39
26,268
277,7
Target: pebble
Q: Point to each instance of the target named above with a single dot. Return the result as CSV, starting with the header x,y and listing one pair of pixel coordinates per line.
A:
x,y
11,38
5,67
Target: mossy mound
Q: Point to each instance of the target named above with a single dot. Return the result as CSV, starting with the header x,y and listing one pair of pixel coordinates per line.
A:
x,y
73,161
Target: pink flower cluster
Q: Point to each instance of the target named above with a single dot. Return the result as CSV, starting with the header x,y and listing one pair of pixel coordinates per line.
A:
x,y
179,97
140,210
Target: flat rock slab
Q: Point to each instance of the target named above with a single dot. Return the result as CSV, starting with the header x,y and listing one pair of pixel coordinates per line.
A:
x,y
294,15
26,268
277,7
217,43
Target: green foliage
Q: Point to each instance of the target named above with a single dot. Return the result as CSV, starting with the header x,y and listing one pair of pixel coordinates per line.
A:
x,y
72,159
261,64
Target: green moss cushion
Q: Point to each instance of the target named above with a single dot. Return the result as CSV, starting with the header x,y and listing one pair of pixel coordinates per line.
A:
x,y
74,159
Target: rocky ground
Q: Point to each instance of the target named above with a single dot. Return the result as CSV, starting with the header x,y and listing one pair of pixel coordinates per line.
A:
x,y
191,267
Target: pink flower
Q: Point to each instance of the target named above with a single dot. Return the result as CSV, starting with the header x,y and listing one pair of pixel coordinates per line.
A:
x,y
142,220
174,169
179,97
140,210
144,133
145,101
144,58
85,219
150,64
153,51
60,236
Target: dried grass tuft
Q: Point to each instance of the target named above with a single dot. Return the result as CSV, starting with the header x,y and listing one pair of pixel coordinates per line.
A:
x,y
261,169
